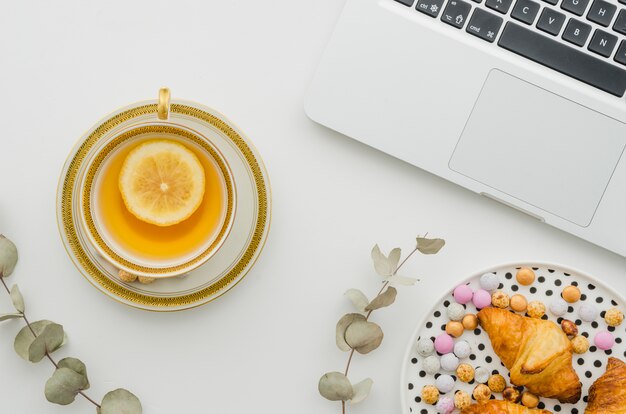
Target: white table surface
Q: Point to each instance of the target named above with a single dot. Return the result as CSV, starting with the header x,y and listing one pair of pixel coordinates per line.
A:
x,y
263,346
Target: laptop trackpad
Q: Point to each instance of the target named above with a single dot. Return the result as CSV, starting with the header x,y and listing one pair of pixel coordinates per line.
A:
x,y
539,148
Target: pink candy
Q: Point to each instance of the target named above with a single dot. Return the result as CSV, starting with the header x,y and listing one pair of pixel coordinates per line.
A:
x,y
463,294
604,340
481,299
444,344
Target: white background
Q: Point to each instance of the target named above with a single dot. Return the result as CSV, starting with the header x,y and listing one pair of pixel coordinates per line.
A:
x,y
263,346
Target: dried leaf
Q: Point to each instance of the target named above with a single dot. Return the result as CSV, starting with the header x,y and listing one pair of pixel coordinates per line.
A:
x,y
385,265
401,280
77,366
64,385
361,390
342,325
383,300
25,339
8,256
120,401
358,299
7,316
364,336
17,299
430,246
335,386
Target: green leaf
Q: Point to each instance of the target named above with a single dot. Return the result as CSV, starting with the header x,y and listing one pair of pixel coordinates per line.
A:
x,y
383,300
17,299
120,401
335,386
25,340
64,385
385,265
8,256
7,316
361,390
401,280
342,326
364,337
430,246
358,299
77,366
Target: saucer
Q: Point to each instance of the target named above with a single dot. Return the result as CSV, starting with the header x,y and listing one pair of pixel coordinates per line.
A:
x,y
226,267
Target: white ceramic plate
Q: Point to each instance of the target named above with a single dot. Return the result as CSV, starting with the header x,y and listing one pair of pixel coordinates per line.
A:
x,y
551,279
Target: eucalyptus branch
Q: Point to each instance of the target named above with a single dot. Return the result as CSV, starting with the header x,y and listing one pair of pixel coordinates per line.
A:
x,y
355,332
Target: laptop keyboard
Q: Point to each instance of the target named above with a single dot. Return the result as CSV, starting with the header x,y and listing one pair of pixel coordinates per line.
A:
x,y
583,39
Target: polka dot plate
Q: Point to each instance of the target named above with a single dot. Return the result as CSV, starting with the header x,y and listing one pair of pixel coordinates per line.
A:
x,y
548,285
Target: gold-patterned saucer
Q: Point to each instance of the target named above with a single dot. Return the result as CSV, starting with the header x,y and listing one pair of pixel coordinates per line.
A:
x,y
241,247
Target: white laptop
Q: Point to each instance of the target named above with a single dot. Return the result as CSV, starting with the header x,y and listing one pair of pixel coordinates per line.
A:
x,y
519,100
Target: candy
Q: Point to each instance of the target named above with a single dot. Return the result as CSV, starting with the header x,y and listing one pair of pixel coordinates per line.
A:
x,y
481,299
558,307
470,322
462,400
444,344
511,394
604,340
571,294
425,347
463,294
462,349
481,375
430,394
481,393
530,400
536,309
580,344
445,405
569,327
432,365
588,312
496,383
489,281
444,383
613,317
449,362
525,276
454,328
455,311
465,372
500,299
518,303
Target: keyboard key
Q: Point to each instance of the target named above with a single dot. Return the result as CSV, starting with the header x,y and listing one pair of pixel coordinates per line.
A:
x,y
456,13
575,6
484,25
620,56
576,32
406,2
502,6
601,12
602,43
525,11
554,2
562,58
620,22
429,7
551,21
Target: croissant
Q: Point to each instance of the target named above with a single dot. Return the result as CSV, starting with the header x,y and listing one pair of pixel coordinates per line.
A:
x,y
501,407
607,395
537,353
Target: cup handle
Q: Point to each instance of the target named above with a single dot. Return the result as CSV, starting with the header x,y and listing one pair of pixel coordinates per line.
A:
x,y
163,108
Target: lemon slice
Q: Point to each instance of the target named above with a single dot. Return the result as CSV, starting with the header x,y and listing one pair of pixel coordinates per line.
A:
x,y
162,182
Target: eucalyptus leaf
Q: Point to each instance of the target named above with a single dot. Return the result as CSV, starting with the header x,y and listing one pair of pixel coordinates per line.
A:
x,y
48,341
120,401
342,326
77,366
8,256
25,338
385,265
361,390
17,299
335,386
430,246
363,336
64,385
7,316
358,299
383,300
401,280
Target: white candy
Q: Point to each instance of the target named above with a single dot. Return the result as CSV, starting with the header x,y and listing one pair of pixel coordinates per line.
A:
x,y
558,307
455,311
489,281
449,362
481,375
432,365
462,349
444,383
425,347
588,313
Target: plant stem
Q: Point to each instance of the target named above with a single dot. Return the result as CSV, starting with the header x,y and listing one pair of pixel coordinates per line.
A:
x,y
35,335
385,284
